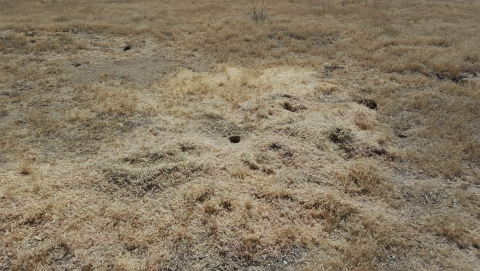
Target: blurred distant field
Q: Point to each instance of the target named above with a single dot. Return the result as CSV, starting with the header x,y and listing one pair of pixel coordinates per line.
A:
x,y
358,125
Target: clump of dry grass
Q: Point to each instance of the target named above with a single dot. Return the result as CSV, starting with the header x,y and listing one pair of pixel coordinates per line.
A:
x,y
101,102
455,228
364,177
343,137
440,140
363,122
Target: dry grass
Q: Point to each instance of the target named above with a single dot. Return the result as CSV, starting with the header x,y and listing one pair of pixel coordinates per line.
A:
x,y
358,123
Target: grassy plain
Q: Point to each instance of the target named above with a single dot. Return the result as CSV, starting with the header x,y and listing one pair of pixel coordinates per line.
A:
x,y
359,125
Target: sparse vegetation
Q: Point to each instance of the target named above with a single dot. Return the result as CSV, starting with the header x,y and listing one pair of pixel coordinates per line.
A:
x,y
343,137
258,10
333,135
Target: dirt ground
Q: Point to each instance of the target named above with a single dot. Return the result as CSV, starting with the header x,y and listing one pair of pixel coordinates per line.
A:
x,y
359,138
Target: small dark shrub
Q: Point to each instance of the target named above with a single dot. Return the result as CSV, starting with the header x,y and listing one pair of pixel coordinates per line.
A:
x,y
258,10
343,137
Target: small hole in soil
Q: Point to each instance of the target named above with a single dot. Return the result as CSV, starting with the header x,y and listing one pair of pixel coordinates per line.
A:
x,y
226,205
234,138
274,146
369,103
332,68
127,47
26,171
379,151
288,106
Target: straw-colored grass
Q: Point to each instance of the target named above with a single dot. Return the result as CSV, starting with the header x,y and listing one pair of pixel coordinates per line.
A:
x,y
358,128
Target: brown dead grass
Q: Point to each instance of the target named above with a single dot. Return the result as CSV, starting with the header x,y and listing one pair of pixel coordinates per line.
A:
x,y
358,123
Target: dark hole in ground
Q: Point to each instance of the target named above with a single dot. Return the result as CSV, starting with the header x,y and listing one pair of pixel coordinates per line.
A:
x,y
26,171
332,68
234,139
379,151
288,106
376,152
226,205
401,134
274,146
461,80
369,103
